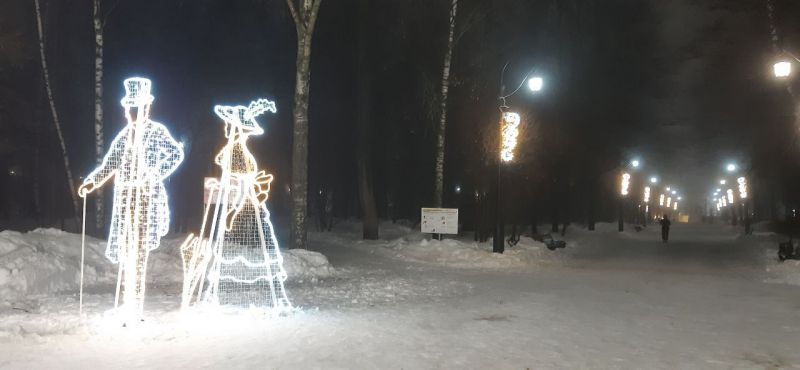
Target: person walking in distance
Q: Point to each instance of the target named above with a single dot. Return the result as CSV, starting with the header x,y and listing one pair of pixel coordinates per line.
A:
x,y
665,223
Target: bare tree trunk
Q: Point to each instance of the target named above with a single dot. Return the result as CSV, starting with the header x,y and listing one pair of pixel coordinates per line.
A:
x,y
56,122
364,162
439,186
99,143
304,16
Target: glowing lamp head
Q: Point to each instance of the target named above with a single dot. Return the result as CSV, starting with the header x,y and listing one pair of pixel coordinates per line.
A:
x,y
680,198
722,182
730,167
535,84
509,131
653,180
635,163
458,189
782,69
674,192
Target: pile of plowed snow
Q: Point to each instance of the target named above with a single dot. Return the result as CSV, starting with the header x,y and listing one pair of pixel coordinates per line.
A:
x,y
46,261
468,254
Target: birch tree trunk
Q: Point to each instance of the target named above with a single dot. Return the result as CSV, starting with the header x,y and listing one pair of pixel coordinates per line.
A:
x,y
304,14
99,143
366,192
439,182
56,122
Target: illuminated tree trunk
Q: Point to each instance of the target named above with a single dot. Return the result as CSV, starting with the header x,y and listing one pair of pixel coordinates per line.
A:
x,y
366,193
99,143
440,139
56,122
304,14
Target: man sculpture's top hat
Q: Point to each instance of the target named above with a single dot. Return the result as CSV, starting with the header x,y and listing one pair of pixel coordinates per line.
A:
x,y
137,92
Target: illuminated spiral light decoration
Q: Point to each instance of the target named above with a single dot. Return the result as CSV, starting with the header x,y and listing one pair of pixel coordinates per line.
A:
x,y
509,132
239,256
625,183
742,187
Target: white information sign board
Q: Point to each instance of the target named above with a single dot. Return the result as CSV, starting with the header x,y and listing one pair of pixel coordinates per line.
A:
x,y
439,220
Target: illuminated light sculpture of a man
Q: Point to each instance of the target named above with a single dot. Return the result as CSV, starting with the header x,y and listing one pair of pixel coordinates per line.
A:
x,y
239,253
141,156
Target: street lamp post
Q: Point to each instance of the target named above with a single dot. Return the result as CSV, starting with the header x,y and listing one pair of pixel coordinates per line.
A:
x,y
624,185
509,132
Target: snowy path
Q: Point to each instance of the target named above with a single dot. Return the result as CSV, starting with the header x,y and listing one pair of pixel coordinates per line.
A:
x,y
620,301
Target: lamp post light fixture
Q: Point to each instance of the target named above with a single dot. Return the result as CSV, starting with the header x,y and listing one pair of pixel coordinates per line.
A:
x,y
535,84
654,180
782,69
722,182
635,163
730,167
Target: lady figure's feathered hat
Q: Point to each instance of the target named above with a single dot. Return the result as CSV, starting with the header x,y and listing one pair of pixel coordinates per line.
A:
x,y
245,117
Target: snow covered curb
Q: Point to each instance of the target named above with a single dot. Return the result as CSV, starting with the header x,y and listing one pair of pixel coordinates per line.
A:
x,y
46,261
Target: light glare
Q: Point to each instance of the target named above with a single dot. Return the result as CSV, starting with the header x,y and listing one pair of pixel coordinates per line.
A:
x,y
535,83
782,69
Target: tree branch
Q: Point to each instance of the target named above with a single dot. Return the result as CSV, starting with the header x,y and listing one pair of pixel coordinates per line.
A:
x,y
295,16
312,18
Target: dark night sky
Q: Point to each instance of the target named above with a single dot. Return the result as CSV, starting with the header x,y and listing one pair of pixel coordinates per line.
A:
x,y
688,81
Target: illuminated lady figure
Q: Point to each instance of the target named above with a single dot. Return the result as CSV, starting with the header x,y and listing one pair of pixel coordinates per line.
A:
x,y
141,156
246,266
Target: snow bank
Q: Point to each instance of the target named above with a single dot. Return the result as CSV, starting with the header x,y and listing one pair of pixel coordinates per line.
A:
x,y
301,264
786,272
469,254
46,261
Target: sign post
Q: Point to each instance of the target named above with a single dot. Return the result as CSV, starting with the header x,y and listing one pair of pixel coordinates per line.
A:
x,y
439,221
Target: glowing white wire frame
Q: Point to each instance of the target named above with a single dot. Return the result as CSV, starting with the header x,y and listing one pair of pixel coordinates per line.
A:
x,y
742,187
647,194
510,131
141,156
239,254
625,183
730,195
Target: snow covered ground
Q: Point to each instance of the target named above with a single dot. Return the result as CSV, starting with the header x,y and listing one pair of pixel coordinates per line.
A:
x,y
609,300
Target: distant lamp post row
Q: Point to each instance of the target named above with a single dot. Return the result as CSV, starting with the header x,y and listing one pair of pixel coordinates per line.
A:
x,y
728,197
